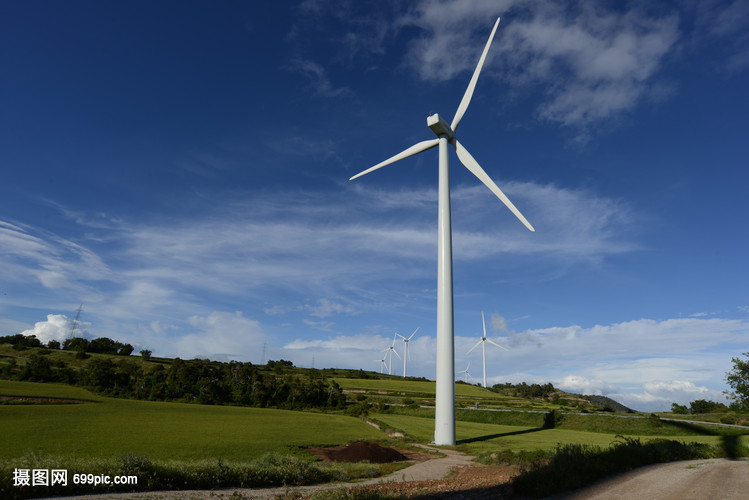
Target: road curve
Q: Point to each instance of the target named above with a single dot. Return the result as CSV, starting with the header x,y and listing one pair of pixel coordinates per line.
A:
x,y
709,479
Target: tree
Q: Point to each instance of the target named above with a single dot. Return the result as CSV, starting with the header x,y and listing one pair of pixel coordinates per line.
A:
x,y
738,380
145,354
679,409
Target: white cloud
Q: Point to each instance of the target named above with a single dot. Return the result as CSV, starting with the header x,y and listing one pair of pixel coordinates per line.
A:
x,y
592,63
582,385
498,323
56,327
326,307
304,244
222,335
31,254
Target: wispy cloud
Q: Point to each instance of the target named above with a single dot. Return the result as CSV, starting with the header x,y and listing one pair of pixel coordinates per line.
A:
x,y
307,246
591,63
318,78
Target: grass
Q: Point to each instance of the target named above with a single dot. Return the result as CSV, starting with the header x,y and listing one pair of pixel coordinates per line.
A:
x,y
426,388
112,427
35,390
166,444
482,438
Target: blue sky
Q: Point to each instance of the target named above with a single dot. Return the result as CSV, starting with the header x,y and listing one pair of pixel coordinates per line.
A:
x,y
181,169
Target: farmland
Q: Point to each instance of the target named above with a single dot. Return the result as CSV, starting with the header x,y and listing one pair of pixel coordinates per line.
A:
x,y
161,430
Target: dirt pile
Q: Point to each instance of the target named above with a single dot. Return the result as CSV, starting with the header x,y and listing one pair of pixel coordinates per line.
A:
x,y
357,452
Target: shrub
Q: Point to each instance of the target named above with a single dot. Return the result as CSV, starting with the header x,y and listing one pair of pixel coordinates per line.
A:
x,y
574,465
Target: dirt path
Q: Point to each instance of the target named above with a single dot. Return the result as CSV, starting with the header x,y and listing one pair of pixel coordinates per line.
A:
x,y
692,479
432,469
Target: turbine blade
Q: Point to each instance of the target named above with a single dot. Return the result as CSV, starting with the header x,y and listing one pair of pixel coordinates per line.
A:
x,y
474,347
414,333
472,85
401,336
416,148
494,343
484,322
396,353
471,164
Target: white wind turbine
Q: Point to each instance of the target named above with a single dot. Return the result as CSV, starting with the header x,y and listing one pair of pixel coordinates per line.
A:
x,y
382,363
406,351
467,375
390,351
444,421
483,340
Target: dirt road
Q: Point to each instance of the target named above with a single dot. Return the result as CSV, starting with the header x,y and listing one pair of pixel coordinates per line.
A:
x,y
435,468
712,479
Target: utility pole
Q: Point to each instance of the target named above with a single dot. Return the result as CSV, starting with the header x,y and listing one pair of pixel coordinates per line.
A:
x,y
76,322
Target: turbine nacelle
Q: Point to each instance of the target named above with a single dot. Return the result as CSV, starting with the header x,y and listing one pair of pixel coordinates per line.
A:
x,y
440,127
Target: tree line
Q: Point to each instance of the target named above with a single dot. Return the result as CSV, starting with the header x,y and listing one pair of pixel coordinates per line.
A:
x,y
100,345
524,390
198,380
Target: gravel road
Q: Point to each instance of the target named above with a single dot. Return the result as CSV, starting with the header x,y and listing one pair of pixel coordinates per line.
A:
x,y
711,479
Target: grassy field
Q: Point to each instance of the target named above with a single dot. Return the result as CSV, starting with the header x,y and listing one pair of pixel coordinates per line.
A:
x,y
35,390
112,427
422,392
480,438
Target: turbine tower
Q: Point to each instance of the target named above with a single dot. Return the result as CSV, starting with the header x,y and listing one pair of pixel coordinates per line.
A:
x,y
483,342
444,420
405,351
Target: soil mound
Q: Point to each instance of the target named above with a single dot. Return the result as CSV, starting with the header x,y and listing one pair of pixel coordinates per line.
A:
x,y
359,451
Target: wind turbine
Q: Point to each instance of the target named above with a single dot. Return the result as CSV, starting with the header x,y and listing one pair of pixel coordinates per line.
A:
x,y
382,363
444,421
406,352
391,350
467,375
483,340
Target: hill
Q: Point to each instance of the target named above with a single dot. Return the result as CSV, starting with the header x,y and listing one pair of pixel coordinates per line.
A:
x,y
608,404
107,368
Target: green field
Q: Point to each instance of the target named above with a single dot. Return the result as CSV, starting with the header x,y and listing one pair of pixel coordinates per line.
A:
x,y
112,427
477,438
422,392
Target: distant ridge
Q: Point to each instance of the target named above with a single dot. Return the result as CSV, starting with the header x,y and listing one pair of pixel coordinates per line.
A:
x,y
603,401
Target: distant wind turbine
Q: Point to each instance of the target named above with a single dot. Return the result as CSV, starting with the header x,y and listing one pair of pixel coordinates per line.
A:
x,y
390,351
444,421
467,375
483,340
382,363
406,352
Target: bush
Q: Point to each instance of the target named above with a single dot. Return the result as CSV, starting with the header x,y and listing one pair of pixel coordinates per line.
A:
x,y
271,469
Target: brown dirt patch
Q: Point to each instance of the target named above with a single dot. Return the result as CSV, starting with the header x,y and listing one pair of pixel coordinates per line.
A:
x,y
363,450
